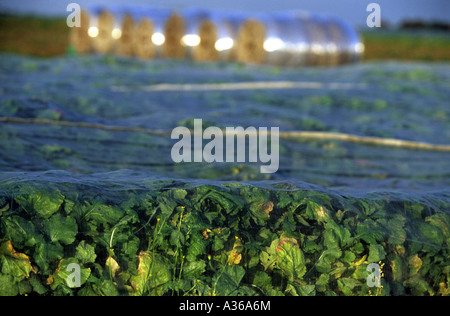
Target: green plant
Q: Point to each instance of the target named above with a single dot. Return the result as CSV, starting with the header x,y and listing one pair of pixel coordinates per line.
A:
x,y
228,240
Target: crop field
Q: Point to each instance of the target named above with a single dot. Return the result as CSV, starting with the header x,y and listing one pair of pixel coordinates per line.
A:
x,y
359,206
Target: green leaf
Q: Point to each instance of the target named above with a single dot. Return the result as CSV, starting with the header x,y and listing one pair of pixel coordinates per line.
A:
x,y
47,254
20,231
227,281
306,290
327,258
262,281
261,212
43,203
432,234
179,194
85,253
38,287
442,222
8,287
322,282
196,248
15,264
61,229
103,214
290,258
227,202
370,232
152,274
130,247
348,257
376,253
317,211
347,285
269,257
336,235
64,275
176,238
193,270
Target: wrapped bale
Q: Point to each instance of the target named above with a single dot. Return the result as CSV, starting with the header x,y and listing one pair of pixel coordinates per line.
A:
x,y
350,47
286,42
304,39
330,36
298,42
317,36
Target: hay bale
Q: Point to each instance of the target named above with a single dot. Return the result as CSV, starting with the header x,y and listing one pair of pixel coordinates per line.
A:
x,y
173,32
125,42
149,34
206,50
79,38
250,42
199,36
103,43
142,44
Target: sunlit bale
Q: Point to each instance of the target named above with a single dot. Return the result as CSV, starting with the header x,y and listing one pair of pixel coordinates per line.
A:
x,y
142,44
125,36
200,35
174,31
250,42
150,32
227,26
100,30
79,37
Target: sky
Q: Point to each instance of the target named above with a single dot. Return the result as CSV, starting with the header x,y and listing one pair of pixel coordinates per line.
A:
x,y
354,11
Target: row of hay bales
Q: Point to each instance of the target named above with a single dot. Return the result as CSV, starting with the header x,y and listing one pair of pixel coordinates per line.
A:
x,y
284,38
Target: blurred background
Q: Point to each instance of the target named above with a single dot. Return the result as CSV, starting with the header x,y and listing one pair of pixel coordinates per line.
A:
x,y
394,12
411,29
